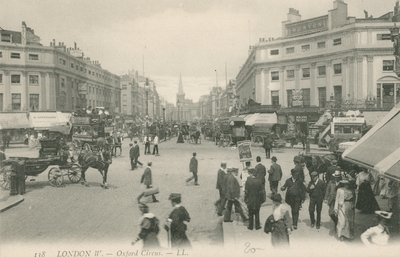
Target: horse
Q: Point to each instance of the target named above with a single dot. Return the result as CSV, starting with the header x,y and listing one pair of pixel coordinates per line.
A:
x,y
100,160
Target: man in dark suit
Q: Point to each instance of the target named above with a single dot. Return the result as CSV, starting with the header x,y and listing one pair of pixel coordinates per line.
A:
x,y
316,190
267,146
260,170
253,194
147,180
134,153
193,168
295,195
232,195
220,203
275,175
260,173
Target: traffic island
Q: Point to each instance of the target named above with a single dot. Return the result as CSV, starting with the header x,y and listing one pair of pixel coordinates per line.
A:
x,y
7,202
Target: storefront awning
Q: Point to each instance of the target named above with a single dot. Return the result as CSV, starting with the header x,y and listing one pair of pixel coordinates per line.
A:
x,y
379,149
262,119
52,121
14,120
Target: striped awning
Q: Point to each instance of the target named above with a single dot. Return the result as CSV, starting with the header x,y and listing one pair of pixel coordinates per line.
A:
x,y
379,149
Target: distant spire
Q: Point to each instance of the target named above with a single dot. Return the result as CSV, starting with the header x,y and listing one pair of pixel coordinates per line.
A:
x,y
180,90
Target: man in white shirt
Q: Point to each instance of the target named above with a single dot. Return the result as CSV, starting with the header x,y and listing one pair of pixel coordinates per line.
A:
x,y
155,147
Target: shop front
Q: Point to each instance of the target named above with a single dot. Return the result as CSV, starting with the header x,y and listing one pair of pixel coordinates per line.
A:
x,y
14,127
379,150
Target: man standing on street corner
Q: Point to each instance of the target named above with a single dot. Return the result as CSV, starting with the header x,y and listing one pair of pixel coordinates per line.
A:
x,y
193,168
134,153
267,146
316,190
275,175
232,195
260,173
253,197
222,172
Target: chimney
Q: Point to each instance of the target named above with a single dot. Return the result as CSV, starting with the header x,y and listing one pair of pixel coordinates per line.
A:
x,y
293,15
75,45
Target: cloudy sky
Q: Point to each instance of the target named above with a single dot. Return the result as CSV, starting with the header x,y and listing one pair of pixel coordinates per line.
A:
x,y
192,37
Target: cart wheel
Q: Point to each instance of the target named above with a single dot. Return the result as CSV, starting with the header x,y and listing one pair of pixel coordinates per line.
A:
x,y
75,173
87,147
5,177
55,177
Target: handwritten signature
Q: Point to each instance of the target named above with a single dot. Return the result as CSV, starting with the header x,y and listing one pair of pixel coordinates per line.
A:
x,y
249,249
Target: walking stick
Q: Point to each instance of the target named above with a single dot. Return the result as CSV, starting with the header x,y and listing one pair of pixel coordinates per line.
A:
x,y
169,237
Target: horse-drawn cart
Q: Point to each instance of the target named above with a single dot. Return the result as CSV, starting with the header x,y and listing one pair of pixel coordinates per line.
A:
x,y
50,156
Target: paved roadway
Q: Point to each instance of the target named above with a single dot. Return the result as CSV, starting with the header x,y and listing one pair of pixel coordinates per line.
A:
x,y
79,214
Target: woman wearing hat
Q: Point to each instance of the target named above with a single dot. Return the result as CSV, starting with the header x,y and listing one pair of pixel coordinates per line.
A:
x,y
366,201
378,235
281,223
148,228
344,209
175,224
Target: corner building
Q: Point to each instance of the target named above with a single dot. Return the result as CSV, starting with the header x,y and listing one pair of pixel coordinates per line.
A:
x,y
328,60
34,77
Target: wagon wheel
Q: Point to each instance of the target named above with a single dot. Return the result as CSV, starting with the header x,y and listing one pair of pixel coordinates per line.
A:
x,y
55,177
5,177
74,173
87,147
258,140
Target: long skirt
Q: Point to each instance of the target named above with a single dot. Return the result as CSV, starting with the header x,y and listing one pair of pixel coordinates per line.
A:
x,y
151,241
345,225
180,240
366,201
279,234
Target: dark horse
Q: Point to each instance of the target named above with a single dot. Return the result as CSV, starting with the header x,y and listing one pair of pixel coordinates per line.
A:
x,y
99,160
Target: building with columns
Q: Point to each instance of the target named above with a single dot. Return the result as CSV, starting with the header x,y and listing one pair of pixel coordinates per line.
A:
x,y
328,61
34,77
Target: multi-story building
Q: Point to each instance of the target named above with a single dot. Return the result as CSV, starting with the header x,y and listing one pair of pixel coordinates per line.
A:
x,y
331,59
34,77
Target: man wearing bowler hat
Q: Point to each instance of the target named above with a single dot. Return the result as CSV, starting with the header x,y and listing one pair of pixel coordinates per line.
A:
x,y
316,190
275,175
175,224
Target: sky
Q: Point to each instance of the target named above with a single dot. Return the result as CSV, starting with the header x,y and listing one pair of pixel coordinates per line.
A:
x,y
195,38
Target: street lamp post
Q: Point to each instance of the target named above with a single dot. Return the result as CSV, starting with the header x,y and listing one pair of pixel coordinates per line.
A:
x,y
163,109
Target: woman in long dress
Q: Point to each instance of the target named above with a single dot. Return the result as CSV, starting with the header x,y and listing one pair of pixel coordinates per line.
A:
x,y
148,228
366,201
282,222
344,209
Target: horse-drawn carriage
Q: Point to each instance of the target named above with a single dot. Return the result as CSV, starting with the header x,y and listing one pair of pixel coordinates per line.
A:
x,y
86,131
51,155
231,129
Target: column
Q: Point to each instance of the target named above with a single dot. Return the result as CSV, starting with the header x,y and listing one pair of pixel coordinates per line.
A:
x,y
370,76
345,79
42,96
7,91
360,67
313,93
353,85
25,92
259,85
54,81
329,86
282,89
297,76
267,95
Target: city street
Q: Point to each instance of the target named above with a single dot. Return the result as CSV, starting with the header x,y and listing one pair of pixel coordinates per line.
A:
x,y
85,214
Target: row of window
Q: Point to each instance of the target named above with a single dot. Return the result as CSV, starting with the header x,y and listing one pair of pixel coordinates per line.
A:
x,y
14,55
82,69
305,99
387,65
16,102
306,47
322,44
16,79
